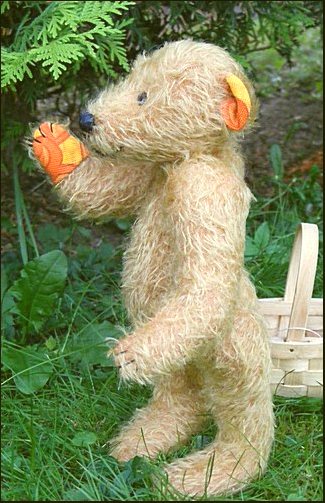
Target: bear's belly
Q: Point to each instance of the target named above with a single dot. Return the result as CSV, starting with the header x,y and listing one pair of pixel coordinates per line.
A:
x,y
148,277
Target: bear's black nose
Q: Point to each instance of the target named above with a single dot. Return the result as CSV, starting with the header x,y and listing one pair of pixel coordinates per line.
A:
x,y
86,121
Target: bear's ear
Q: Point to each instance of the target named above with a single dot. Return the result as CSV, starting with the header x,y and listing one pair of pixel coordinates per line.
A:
x,y
235,109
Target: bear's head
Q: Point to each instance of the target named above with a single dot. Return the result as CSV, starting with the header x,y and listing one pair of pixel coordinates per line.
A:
x,y
184,97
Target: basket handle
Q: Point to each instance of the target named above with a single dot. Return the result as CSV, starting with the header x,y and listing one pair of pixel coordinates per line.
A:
x,y
300,280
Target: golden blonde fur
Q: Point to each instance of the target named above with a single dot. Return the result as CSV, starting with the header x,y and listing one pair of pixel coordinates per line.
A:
x,y
197,337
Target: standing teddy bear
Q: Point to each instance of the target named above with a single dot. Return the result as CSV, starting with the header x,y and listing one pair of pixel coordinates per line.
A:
x,y
162,145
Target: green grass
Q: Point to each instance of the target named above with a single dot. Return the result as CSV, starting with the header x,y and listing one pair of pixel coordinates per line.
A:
x,y
41,462
55,441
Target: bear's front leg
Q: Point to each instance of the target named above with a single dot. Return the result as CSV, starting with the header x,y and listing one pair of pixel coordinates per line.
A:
x,y
207,205
167,342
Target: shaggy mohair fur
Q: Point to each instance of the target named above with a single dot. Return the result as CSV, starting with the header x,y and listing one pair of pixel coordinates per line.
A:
x,y
197,336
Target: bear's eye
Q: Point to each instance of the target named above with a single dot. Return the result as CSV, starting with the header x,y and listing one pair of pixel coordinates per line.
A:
x,y
142,98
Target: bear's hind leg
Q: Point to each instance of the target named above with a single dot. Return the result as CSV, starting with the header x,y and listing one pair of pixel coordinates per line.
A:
x,y
238,392
229,463
173,414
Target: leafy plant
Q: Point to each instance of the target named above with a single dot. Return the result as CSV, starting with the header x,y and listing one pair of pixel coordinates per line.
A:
x,y
34,295
64,35
89,347
259,243
84,438
240,27
30,366
272,224
276,161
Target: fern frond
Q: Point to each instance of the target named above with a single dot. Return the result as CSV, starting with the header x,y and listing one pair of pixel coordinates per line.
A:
x,y
56,54
14,66
65,34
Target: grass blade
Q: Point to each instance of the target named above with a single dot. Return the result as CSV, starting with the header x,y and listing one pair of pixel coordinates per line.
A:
x,y
19,216
28,224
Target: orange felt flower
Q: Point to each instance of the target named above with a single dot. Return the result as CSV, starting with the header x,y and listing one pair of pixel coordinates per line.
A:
x,y
57,150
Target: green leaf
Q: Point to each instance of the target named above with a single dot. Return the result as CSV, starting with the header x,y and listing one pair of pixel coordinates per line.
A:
x,y
4,281
86,233
37,291
274,248
50,343
135,471
7,309
31,368
276,161
84,438
14,66
251,250
51,236
289,441
84,493
123,224
90,345
4,6
262,235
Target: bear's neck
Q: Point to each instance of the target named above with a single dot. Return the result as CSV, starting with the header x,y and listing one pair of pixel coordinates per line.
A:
x,y
228,154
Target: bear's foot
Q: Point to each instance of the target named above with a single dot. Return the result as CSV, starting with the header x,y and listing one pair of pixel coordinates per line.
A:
x,y
215,471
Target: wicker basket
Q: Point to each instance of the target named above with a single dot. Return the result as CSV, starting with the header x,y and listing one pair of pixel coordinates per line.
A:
x,y
295,323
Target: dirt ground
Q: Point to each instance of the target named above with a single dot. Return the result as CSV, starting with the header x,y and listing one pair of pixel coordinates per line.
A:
x,y
294,121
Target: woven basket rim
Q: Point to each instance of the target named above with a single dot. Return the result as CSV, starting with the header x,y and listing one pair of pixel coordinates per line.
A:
x,y
314,341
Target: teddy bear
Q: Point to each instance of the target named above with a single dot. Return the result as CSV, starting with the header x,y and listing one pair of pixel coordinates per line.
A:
x,y
163,145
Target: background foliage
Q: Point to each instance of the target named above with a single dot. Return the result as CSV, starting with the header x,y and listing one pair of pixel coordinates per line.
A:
x,y
66,49
60,295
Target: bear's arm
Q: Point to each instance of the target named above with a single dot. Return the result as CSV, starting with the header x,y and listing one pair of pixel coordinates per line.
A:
x,y
99,188
208,204
91,187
